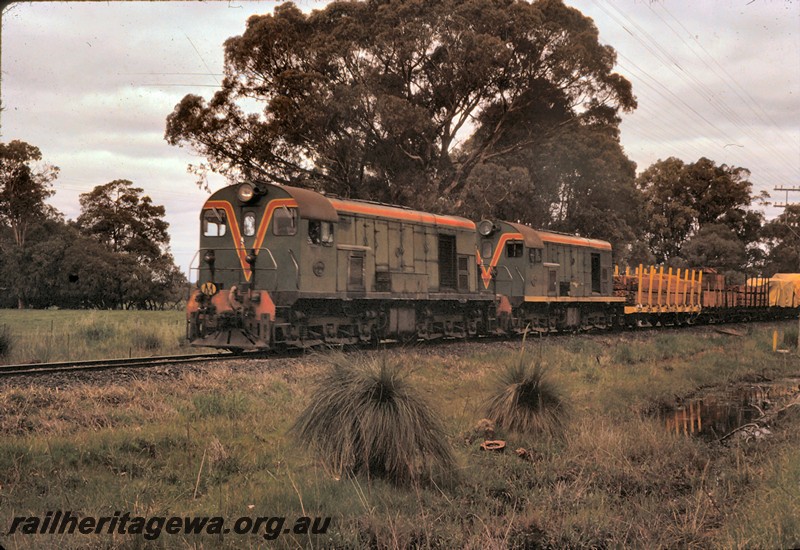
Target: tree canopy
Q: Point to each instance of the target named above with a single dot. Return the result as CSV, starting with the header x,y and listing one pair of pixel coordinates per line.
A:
x,y
782,239
115,255
699,212
24,186
407,102
129,225
121,218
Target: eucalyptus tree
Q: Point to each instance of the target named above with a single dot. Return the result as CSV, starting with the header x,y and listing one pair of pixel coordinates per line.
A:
x,y
25,184
125,220
412,102
691,209
132,229
782,239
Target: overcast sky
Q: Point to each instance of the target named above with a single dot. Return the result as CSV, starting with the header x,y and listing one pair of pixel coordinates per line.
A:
x,y
91,85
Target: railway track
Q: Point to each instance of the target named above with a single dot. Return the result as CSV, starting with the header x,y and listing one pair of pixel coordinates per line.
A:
x,y
28,369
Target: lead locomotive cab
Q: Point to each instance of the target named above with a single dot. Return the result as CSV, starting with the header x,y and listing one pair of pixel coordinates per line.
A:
x,y
251,249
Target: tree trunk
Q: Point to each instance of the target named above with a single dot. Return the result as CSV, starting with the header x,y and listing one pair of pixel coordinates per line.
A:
x,y
20,303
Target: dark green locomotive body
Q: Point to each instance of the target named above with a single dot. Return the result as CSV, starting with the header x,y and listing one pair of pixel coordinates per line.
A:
x,y
282,266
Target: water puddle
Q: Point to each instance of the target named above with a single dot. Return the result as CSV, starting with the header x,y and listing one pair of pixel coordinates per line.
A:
x,y
717,414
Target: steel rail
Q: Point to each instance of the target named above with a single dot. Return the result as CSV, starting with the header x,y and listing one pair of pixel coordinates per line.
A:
x,y
104,364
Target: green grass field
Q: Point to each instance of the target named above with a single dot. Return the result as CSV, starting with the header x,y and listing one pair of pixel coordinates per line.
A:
x,y
42,336
212,441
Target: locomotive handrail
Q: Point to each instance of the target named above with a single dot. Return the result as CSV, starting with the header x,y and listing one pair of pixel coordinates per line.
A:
x,y
189,271
296,269
271,257
237,249
521,276
510,275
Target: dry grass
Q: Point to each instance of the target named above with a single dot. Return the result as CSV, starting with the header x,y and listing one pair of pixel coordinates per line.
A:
x,y
212,440
37,336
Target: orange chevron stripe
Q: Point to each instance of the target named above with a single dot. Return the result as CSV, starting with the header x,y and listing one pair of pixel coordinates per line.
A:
x,y
486,271
238,240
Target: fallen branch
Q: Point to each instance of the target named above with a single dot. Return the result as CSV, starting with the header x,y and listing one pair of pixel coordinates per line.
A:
x,y
762,418
740,428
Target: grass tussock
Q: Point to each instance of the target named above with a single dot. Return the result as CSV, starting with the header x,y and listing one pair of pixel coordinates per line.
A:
x,y
367,417
148,340
93,329
526,400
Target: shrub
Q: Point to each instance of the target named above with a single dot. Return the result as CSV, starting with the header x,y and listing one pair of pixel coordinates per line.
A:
x,y
790,338
525,400
6,341
146,340
366,417
94,330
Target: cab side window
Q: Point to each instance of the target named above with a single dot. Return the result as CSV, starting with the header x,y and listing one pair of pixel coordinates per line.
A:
x,y
284,221
320,232
535,255
514,250
214,223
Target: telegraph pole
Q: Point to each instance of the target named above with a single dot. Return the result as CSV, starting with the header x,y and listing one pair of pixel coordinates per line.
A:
x,y
793,189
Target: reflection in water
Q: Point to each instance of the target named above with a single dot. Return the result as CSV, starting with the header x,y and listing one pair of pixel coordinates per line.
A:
x,y
717,415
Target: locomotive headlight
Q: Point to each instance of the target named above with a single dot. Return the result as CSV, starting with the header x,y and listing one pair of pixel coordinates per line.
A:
x,y
209,257
246,192
486,228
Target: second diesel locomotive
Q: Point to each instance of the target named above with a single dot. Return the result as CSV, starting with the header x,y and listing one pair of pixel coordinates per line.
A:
x,y
287,267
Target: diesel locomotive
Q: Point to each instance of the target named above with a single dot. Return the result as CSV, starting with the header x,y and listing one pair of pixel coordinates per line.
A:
x,y
280,266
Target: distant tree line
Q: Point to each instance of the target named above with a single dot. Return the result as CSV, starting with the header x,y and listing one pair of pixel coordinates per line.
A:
x,y
115,255
485,108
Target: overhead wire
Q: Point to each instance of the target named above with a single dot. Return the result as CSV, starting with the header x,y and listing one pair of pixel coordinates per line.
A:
x,y
669,61
744,125
703,91
747,99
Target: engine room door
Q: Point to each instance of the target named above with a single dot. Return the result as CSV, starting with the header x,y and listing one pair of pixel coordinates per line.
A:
x,y
448,268
552,282
596,279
